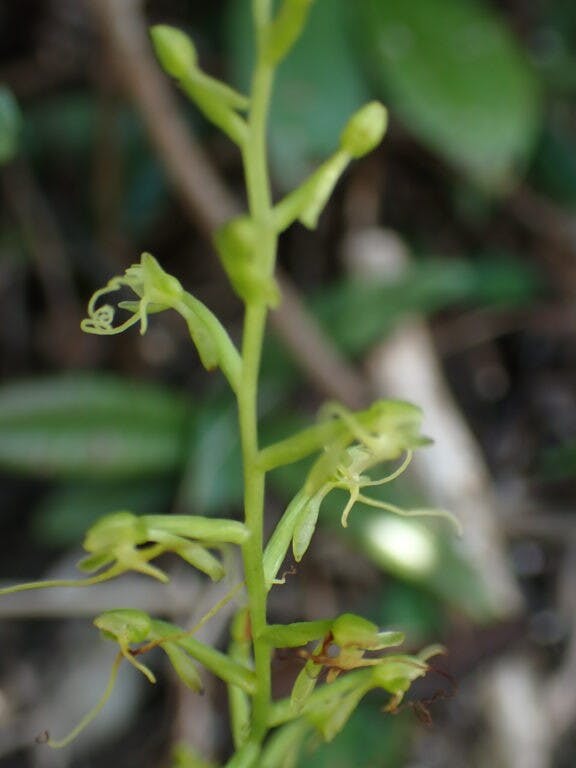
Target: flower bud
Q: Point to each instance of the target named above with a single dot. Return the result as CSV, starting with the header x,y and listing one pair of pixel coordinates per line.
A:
x,y
126,625
351,630
174,49
365,129
113,531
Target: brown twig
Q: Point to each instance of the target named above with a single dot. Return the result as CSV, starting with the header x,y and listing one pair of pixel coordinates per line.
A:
x,y
560,692
42,238
205,198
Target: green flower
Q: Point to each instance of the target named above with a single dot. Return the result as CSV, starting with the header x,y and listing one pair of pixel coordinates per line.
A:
x,y
123,542
156,291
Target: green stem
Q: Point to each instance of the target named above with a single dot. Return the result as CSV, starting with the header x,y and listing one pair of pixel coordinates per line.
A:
x,y
258,187
261,13
252,550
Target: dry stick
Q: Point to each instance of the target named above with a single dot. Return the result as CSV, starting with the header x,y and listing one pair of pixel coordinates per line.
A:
x,y
206,200
45,243
556,227
559,697
171,599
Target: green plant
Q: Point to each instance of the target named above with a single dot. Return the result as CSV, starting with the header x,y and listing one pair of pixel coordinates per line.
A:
x,y
347,446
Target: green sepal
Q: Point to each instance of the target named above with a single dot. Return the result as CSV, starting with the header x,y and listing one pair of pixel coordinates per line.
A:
x,y
203,560
217,662
306,202
208,530
279,542
296,634
304,685
285,29
396,673
305,525
183,666
209,102
332,714
94,562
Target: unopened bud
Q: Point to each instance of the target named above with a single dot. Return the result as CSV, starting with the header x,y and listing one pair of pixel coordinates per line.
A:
x,y
365,129
174,49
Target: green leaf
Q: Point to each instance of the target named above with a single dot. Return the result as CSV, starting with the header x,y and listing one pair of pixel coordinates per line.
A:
x,y
64,515
554,169
90,426
10,122
358,313
318,86
455,76
370,734
213,478
558,462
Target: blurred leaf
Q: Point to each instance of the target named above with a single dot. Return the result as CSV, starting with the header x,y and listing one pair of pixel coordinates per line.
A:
x,y
318,86
423,553
213,478
90,426
559,462
146,191
457,79
63,516
554,167
369,733
419,613
68,127
357,313
61,126
10,122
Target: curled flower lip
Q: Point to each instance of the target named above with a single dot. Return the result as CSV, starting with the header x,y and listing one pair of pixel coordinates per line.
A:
x,y
100,320
156,289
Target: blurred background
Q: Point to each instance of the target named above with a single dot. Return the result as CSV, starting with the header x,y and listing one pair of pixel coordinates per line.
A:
x,y
443,272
